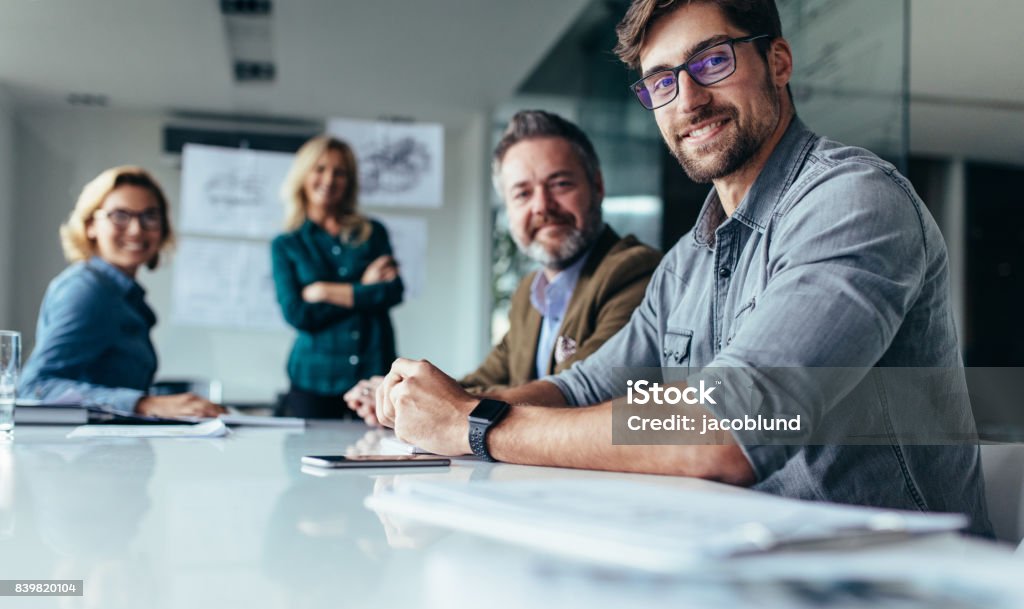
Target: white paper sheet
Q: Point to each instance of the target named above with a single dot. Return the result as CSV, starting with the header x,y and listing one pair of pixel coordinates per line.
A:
x,y
393,446
925,574
228,284
640,525
400,164
409,238
231,191
249,420
211,429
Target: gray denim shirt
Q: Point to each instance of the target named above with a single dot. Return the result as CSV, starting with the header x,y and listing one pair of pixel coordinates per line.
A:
x,y
831,260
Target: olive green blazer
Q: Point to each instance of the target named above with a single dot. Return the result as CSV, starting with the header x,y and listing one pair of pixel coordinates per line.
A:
x,y
610,286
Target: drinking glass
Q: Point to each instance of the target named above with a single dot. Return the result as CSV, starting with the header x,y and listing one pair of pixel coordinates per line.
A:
x,y
10,366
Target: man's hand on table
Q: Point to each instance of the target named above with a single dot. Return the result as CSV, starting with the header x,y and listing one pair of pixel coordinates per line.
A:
x,y
177,405
426,407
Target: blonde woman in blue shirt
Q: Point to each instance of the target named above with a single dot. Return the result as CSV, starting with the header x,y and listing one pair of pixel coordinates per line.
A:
x,y
336,281
92,337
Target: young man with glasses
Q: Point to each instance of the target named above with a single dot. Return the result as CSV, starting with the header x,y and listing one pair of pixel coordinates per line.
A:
x,y
807,254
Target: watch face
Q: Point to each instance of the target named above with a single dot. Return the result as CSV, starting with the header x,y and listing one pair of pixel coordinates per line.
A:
x,y
488,410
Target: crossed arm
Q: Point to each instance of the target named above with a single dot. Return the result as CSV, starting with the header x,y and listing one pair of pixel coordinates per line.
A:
x,y
382,269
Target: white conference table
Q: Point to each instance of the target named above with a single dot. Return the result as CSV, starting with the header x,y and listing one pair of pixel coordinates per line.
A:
x,y
234,522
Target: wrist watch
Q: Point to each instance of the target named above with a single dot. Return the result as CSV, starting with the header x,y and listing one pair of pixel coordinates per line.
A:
x,y
486,415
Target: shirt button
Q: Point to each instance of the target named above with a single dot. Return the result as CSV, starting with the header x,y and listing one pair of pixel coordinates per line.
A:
x,y
724,272
353,359
355,335
343,270
336,250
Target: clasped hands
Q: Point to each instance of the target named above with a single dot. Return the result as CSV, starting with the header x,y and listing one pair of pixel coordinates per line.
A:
x,y
424,406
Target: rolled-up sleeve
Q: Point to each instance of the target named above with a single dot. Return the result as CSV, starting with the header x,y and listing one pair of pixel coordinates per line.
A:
x,y
383,295
847,262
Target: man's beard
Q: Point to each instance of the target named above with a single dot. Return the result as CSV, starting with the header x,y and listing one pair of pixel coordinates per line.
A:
x,y
572,246
733,149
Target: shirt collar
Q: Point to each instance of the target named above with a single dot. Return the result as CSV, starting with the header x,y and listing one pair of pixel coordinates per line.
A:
x,y
776,176
554,294
125,284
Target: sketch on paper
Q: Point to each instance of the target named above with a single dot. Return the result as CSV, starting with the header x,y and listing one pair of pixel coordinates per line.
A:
x,y
400,164
408,238
232,189
394,167
232,192
224,283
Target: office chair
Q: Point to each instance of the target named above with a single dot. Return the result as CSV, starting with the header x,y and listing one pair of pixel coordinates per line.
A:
x,y
1002,466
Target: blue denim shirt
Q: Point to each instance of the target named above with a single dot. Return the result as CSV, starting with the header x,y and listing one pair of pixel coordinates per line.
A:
x,y
92,339
830,260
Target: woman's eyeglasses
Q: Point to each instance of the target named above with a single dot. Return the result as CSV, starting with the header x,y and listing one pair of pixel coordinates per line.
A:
x,y
151,219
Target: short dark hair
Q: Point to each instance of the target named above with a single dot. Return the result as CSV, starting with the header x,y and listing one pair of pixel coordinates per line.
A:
x,y
532,124
755,17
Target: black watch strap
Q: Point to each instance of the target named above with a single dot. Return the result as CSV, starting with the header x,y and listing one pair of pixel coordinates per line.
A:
x,y
478,441
486,415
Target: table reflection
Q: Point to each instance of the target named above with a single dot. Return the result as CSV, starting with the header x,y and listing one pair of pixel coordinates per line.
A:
x,y
93,536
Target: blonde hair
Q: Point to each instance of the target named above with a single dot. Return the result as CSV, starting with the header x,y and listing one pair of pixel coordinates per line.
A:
x,y
74,238
354,225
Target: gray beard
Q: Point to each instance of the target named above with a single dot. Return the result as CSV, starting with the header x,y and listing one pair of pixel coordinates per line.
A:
x,y
568,252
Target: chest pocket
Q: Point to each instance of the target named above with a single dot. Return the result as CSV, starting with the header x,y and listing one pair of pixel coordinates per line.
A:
x,y
675,348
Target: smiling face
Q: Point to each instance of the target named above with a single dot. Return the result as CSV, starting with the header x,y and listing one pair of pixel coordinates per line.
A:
x,y
553,211
129,247
326,182
717,130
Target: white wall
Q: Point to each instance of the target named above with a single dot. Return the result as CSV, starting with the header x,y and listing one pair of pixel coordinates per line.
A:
x,y
6,205
59,150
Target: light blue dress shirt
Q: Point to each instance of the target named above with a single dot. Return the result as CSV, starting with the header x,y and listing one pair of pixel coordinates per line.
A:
x,y
92,339
551,299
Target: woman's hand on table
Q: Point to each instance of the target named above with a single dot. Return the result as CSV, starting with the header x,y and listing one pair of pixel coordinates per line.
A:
x,y
178,405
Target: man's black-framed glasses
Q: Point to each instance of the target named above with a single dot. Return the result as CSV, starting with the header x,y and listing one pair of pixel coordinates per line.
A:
x,y
705,67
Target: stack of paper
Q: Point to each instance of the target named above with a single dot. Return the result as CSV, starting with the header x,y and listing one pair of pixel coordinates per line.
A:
x,y
214,428
640,525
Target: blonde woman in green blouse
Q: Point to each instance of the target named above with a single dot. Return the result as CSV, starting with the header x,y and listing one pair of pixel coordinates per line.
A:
x,y
336,281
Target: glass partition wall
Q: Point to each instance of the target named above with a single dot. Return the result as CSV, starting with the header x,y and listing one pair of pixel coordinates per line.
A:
x,y
850,83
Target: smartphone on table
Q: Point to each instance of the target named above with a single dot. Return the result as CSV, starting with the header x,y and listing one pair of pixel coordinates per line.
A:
x,y
343,462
